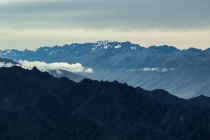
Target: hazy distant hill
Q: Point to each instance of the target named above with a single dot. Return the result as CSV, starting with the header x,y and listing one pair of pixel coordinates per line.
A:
x,y
62,73
35,105
185,73
7,61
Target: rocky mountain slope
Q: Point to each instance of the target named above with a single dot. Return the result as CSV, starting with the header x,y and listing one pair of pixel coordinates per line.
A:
x,y
62,73
184,73
35,105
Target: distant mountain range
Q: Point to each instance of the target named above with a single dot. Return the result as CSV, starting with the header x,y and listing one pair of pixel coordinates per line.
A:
x,y
184,73
35,105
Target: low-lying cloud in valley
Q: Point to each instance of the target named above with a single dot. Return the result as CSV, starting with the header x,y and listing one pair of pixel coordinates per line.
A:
x,y
2,64
147,69
42,66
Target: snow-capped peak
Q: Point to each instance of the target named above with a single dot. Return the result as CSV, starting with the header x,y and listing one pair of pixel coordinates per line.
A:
x,y
103,42
102,45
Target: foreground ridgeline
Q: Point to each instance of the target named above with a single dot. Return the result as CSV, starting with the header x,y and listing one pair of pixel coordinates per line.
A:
x,y
184,73
36,105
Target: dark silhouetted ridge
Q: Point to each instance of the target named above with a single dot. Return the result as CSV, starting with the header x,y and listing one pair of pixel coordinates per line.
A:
x,y
36,105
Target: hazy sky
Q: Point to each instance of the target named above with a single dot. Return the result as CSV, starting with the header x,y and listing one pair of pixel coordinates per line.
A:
x,y
32,23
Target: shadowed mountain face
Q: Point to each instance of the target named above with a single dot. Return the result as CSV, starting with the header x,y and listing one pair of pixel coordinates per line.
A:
x,y
7,61
62,73
36,105
184,73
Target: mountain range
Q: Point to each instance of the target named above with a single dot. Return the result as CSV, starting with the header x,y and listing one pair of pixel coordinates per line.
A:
x,y
35,105
184,73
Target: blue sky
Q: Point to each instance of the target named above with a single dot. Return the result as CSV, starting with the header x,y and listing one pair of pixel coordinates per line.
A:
x,y
31,24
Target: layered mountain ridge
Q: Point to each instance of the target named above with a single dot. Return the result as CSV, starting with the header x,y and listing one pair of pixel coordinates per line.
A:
x,y
184,73
36,105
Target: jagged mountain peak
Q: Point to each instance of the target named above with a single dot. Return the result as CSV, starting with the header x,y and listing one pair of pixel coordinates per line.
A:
x,y
201,97
192,49
164,48
103,42
35,69
113,45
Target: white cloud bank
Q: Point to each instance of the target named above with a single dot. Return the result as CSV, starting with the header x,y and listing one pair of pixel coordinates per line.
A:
x,y
2,64
42,66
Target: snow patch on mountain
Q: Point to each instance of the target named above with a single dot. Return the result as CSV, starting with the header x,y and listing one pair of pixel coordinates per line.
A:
x,y
133,48
102,44
52,53
105,47
117,47
93,49
58,72
8,51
